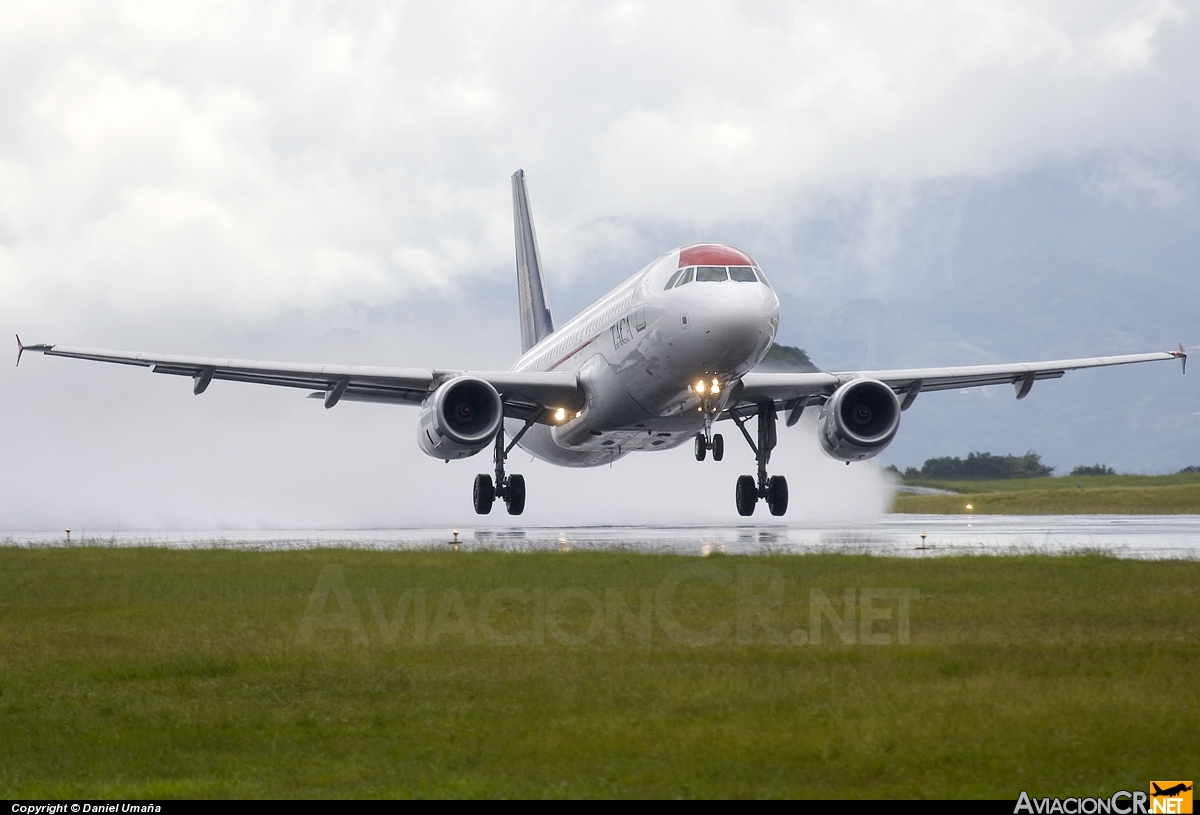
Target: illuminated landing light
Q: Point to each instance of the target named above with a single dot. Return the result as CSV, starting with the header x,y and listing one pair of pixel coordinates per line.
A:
x,y
716,387
578,413
560,415
699,387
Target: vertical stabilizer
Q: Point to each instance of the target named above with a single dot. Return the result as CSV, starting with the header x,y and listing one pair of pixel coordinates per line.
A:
x,y
531,290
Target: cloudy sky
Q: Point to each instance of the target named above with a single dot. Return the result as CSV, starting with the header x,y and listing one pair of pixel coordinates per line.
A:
x,y
924,183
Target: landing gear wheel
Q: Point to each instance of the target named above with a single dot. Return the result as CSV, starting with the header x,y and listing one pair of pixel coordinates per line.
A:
x,y
718,447
701,447
777,494
774,489
746,495
514,496
484,494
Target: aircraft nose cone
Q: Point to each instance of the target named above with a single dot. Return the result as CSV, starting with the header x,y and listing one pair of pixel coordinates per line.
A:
x,y
739,322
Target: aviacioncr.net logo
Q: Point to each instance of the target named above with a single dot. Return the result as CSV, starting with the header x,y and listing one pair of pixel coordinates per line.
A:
x,y
1165,798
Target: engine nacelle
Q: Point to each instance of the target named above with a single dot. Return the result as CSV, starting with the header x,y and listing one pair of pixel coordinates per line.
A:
x,y
859,420
460,418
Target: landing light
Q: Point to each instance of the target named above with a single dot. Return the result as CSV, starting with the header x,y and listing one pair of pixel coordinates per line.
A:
x,y
560,414
700,386
716,386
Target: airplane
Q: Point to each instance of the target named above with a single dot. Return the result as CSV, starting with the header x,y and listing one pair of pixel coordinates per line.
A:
x,y
656,362
1170,792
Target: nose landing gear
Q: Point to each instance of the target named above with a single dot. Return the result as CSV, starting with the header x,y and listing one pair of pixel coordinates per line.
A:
x,y
714,442
706,440
773,489
510,488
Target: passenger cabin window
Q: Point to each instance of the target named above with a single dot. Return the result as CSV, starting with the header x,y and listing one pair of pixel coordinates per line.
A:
x,y
710,274
742,274
674,278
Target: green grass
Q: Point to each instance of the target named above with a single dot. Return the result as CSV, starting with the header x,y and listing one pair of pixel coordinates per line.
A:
x,y
1066,495
1062,482
157,673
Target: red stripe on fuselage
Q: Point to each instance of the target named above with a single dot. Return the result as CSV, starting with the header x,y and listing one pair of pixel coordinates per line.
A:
x,y
573,353
715,254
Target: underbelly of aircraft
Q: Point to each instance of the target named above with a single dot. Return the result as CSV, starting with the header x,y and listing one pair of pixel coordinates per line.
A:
x,y
608,447
603,436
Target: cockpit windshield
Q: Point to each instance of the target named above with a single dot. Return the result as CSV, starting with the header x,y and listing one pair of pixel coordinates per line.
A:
x,y
714,274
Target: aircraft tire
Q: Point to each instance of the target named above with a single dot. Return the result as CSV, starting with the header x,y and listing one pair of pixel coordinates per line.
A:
x,y
746,495
514,498
701,447
718,447
777,494
484,494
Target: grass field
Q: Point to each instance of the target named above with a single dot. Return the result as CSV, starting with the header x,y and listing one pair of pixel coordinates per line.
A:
x,y
151,672
1066,495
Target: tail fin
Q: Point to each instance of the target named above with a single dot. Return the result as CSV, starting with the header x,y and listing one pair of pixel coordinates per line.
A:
x,y
536,322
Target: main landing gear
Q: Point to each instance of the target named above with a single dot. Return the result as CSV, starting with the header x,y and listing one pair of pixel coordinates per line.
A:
x,y
509,487
774,489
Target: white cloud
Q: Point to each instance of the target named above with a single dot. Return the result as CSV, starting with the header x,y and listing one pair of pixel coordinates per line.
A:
x,y
1136,180
303,153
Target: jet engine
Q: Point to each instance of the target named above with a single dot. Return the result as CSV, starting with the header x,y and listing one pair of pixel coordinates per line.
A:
x,y
859,420
460,418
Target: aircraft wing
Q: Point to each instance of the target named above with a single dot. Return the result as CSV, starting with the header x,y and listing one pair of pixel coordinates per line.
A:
x,y
793,389
524,394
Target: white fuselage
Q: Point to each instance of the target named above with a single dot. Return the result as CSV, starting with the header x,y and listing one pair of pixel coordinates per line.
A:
x,y
640,349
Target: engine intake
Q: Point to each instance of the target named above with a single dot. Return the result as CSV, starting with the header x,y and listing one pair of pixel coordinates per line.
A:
x,y
460,418
859,420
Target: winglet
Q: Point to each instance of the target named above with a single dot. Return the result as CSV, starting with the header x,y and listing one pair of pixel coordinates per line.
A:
x,y
22,348
1181,354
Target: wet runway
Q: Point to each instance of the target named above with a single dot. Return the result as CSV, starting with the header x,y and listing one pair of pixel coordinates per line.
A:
x,y
1134,536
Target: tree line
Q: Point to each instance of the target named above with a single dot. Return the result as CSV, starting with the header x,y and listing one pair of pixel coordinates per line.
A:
x,y
988,467
981,467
